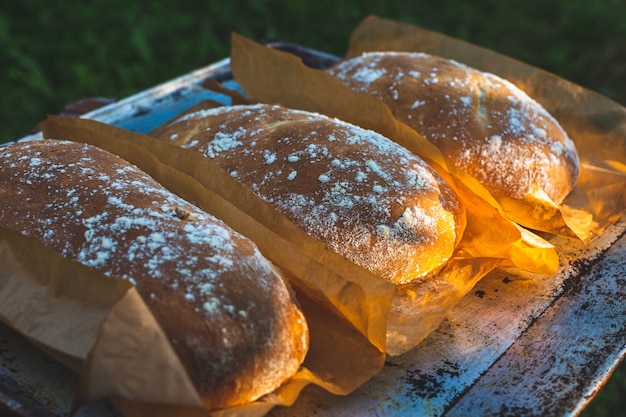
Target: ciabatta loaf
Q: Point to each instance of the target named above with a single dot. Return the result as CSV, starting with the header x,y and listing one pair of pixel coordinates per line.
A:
x,y
359,193
483,124
228,313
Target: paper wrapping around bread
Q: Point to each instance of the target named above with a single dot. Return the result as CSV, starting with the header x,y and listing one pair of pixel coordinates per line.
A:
x,y
67,306
273,76
345,306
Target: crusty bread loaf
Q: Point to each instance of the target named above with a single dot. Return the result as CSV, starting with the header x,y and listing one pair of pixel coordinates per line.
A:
x,y
361,194
227,312
483,124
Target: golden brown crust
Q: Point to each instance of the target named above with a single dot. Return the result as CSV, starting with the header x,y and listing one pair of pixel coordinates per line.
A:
x,y
484,125
359,193
225,309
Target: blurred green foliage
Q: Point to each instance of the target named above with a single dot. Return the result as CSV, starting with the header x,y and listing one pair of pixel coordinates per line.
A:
x,y
610,401
56,52
53,53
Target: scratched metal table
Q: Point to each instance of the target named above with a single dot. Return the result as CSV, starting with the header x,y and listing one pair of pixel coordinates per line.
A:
x,y
517,345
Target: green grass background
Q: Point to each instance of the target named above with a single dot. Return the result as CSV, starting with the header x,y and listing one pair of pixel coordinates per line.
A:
x,y
56,52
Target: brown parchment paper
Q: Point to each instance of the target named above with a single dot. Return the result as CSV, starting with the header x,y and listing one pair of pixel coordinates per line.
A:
x,y
346,307
277,77
72,312
596,124
490,240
